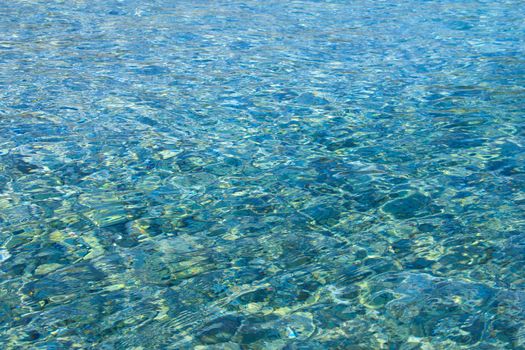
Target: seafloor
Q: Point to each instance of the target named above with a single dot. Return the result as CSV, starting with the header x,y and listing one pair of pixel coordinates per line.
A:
x,y
262,174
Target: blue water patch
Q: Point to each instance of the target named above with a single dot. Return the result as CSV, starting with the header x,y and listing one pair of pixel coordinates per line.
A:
x,y
262,174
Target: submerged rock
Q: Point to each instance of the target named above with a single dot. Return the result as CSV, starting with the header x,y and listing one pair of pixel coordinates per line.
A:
x,y
220,330
311,99
413,205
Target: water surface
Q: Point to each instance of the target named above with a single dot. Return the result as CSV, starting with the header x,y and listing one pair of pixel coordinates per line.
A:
x,y
262,174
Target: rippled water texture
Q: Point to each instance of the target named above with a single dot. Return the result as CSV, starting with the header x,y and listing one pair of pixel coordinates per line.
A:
x,y
262,174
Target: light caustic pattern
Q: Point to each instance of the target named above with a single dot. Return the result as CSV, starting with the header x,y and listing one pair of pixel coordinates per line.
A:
x,y
262,174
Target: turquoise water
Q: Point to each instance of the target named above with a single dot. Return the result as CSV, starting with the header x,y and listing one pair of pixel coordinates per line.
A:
x,y
262,174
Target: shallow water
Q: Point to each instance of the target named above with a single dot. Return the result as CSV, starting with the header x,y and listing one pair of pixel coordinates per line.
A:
x,y
262,174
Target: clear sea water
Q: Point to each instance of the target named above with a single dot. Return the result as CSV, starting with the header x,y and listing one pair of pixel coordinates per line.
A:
x,y
262,174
